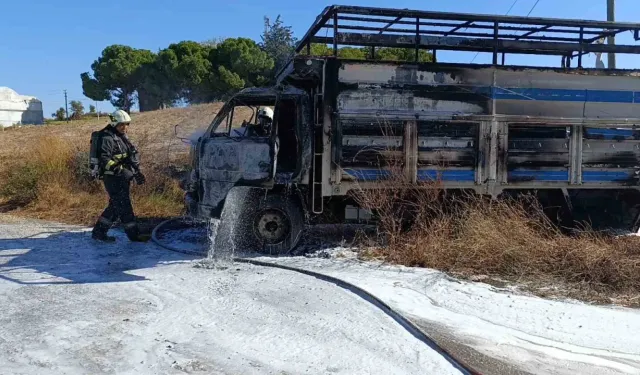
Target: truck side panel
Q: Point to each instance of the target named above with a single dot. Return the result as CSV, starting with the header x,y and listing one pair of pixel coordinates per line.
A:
x,y
446,90
377,104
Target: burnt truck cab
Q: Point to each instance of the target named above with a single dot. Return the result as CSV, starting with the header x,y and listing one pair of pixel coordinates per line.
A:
x,y
232,154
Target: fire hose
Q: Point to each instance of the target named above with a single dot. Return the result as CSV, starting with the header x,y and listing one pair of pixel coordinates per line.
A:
x,y
395,315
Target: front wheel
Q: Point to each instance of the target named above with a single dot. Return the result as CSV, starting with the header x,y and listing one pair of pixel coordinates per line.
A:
x,y
252,221
276,224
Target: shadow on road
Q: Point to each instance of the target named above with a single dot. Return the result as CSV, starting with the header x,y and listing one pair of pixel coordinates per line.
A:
x,y
60,256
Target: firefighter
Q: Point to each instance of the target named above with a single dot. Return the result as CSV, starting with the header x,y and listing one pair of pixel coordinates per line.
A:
x,y
118,165
265,121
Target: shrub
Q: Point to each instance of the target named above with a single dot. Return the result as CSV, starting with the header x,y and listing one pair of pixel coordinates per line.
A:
x,y
53,183
20,184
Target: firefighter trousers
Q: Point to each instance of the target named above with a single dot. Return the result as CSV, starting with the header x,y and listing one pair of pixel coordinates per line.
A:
x,y
118,188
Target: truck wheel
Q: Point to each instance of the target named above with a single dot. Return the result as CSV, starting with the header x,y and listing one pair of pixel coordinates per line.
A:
x,y
276,224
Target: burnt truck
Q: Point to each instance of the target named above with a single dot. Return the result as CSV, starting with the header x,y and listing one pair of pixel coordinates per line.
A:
x,y
568,132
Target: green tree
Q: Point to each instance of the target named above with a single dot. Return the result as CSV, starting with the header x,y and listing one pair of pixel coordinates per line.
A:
x,y
92,109
236,63
344,52
213,42
179,72
403,54
59,114
381,54
278,41
117,74
77,108
187,67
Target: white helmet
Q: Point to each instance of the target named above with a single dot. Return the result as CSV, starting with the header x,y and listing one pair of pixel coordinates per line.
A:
x,y
266,112
119,117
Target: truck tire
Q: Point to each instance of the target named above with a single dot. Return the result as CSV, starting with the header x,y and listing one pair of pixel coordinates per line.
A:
x,y
252,221
276,224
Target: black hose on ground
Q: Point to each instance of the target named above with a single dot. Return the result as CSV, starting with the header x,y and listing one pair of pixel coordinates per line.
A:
x,y
154,238
395,315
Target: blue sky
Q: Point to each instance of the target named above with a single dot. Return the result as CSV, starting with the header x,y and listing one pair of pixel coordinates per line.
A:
x,y
46,44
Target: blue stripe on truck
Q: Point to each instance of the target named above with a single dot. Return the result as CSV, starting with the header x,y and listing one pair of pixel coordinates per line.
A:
x,y
527,175
608,133
560,95
423,174
565,95
446,175
606,176
521,175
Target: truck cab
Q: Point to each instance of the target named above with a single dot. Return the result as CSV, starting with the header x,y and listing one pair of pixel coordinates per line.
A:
x,y
237,151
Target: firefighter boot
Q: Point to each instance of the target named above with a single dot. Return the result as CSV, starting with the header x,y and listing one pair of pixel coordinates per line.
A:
x,y
99,232
133,233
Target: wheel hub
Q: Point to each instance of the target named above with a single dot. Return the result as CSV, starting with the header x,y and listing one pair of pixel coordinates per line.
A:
x,y
271,226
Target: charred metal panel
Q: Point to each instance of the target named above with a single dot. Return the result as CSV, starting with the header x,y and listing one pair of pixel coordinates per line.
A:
x,y
541,175
447,145
599,175
408,90
611,150
367,143
447,158
607,153
447,90
225,162
538,154
402,103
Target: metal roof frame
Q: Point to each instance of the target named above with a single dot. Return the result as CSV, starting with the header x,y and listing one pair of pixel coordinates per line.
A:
x,y
403,28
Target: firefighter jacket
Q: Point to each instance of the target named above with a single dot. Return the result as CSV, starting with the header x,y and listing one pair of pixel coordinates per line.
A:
x,y
117,156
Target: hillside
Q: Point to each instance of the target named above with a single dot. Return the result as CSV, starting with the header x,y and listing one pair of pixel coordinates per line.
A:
x,y
148,129
42,166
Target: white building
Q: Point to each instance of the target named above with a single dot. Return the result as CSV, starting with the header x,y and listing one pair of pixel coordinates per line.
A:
x,y
19,109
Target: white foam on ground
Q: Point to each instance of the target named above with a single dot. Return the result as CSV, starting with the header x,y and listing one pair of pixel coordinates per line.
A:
x,y
70,305
537,335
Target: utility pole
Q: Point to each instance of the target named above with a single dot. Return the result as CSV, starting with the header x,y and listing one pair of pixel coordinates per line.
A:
x,y
97,110
66,107
611,16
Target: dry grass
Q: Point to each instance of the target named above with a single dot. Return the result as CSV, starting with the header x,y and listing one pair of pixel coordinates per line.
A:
x,y
469,235
43,167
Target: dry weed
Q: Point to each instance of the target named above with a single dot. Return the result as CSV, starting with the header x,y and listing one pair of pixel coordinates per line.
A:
x,y
421,225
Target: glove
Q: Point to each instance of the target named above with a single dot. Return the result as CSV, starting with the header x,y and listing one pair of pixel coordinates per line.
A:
x,y
127,174
140,179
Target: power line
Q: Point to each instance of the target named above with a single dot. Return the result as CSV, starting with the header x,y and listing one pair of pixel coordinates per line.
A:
x,y
533,7
512,5
506,14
